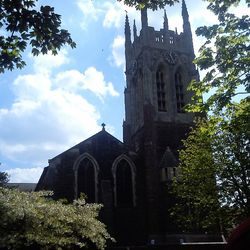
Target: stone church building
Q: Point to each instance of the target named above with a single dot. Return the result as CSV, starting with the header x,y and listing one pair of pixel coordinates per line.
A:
x,y
131,178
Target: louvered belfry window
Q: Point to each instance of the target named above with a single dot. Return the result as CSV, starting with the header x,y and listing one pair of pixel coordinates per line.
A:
x,y
161,90
179,92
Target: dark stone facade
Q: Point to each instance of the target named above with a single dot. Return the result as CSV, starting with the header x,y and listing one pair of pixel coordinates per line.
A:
x,y
131,179
105,170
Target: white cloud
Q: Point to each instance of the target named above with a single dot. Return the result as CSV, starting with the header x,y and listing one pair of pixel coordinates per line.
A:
x,y
34,131
117,46
240,10
94,81
70,80
115,14
91,79
50,112
31,87
90,11
45,63
25,175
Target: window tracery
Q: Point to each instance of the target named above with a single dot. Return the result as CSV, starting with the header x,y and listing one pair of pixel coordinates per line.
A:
x,y
124,182
86,177
161,89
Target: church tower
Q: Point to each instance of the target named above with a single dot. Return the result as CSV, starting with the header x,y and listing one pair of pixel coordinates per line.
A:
x,y
158,70
132,179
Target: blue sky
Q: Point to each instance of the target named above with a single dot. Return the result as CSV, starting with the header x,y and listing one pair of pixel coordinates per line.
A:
x,y
58,101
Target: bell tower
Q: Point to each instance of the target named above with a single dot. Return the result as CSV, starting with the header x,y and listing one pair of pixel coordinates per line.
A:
x,y
159,67
158,70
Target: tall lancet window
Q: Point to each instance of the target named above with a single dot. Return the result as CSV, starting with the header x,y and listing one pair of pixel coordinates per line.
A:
x,y
86,180
179,92
161,89
124,182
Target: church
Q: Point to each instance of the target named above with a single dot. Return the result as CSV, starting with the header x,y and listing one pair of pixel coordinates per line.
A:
x,y
131,178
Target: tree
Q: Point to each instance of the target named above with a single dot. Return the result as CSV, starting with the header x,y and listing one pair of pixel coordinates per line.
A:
x,y
220,146
214,182
152,4
35,220
23,25
4,179
197,205
231,146
225,56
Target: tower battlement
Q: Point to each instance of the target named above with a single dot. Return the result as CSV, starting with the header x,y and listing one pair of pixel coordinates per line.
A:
x,y
164,39
161,39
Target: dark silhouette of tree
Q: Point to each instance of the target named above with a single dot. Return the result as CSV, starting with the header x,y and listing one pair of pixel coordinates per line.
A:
x,y
27,25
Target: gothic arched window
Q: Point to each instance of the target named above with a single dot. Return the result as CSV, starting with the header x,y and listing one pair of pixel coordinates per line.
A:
x,y
124,186
86,178
179,91
161,89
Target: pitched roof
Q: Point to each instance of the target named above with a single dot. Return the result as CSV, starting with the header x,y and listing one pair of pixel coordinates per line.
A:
x,y
103,135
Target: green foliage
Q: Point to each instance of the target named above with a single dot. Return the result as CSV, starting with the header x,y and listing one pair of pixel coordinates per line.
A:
x,y
214,182
34,219
4,179
225,56
231,154
23,23
197,207
151,4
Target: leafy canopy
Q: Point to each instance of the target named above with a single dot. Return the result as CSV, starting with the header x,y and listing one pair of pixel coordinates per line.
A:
x,y
214,182
197,206
152,4
214,162
34,219
231,152
24,24
225,56
4,179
